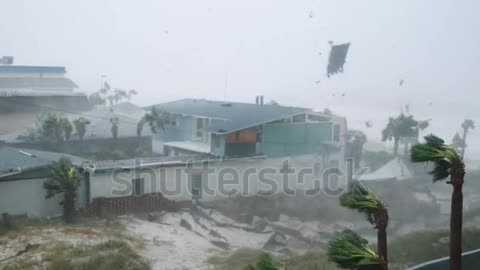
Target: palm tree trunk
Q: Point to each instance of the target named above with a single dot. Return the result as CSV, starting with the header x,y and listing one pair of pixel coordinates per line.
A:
x,y
382,245
456,215
68,205
381,222
456,229
405,150
395,146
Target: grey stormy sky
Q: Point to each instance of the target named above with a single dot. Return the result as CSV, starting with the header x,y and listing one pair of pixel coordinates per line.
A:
x,y
198,48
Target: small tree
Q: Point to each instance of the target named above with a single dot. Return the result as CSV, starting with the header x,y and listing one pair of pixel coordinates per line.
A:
x,y
398,128
114,121
155,120
446,162
356,139
81,126
349,251
67,127
366,202
63,178
140,125
57,126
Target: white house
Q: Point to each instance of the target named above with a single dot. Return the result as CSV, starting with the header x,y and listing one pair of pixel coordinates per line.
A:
x,y
22,174
179,179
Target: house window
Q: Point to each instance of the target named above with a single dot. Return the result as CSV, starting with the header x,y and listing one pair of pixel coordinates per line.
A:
x,y
336,133
137,187
196,186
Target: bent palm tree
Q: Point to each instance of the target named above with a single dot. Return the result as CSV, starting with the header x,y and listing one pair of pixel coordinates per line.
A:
x,y
446,162
366,202
350,251
63,178
466,126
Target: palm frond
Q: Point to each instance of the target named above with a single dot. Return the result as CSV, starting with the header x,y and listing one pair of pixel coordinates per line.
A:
x,y
436,151
62,177
361,199
350,251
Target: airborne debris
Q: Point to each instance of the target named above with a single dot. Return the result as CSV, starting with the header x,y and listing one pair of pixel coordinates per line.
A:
x,y
337,58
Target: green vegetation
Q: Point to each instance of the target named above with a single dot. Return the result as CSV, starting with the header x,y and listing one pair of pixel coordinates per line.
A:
x,y
56,126
355,141
400,128
241,258
81,126
63,178
350,251
446,162
108,247
366,202
109,255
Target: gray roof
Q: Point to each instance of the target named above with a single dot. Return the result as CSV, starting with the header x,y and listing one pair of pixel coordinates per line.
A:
x,y
37,83
31,69
14,160
236,115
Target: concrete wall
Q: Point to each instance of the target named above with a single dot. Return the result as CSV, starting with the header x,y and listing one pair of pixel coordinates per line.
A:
x,y
175,183
27,196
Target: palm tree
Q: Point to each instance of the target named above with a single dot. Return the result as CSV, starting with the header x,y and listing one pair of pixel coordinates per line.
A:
x,y
57,126
131,93
366,202
458,142
63,178
81,126
356,139
114,121
466,126
349,251
140,125
446,162
398,128
67,127
155,120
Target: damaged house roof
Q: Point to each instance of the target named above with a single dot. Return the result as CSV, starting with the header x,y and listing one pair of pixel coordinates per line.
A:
x,y
15,160
235,115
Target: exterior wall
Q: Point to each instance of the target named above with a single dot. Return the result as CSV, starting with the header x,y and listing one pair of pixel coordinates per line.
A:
x,y
295,139
218,148
28,197
181,131
175,183
24,194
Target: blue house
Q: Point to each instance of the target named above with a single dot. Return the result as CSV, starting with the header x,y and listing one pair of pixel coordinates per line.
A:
x,y
234,129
